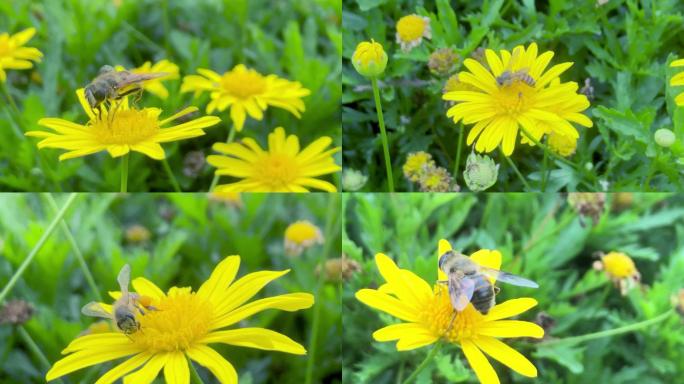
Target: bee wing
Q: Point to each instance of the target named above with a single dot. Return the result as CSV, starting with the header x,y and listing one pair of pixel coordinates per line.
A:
x,y
508,277
123,279
460,292
94,309
127,78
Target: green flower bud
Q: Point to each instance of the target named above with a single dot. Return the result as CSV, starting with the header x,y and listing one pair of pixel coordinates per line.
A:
x,y
664,137
480,173
353,180
369,59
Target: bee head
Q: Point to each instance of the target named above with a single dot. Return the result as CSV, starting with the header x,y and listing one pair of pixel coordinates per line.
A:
x,y
105,69
444,258
95,95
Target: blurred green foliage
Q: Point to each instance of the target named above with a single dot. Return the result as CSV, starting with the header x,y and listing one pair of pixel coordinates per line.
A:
x,y
623,47
541,238
190,234
300,40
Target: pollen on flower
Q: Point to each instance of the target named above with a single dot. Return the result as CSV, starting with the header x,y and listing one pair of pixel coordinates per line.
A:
x,y
129,126
439,314
244,83
280,169
176,322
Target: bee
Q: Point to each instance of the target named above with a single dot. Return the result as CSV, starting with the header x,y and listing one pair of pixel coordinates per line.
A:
x,y
111,84
468,282
123,310
508,77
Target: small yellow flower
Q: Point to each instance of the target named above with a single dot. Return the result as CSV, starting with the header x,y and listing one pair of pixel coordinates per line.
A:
x,y
435,179
416,165
427,313
283,167
13,55
620,269
411,30
369,59
137,234
562,145
155,86
246,92
300,235
498,108
119,132
182,326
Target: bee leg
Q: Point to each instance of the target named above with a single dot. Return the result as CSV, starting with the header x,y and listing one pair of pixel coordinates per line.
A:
x,y
451,323
496,290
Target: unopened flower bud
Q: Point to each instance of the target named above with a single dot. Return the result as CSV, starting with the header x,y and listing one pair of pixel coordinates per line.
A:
x,y
480,172
369,59
353,180
664,137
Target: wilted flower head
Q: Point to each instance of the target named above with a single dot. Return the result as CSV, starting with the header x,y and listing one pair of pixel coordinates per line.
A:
x,y
416,165
193,163
436,179
16,312
13,55
369,59
480,172
411,30
588,204
678,301
137,233
233,199
300,235
622,200
353,180
443,61
620,269
339,269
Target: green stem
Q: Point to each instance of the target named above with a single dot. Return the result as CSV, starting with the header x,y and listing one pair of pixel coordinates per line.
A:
x,y
383,133
13,112
517,172
333,203
20,271
610,332
28,340
194,375
544,174
124,173
425,363
457,163
172,177
77,251
546,149
167,27
231,135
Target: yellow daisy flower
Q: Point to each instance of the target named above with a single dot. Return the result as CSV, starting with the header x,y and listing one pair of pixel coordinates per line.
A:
x,y
427,313
155,86
416,164
620,269
129,129
281,168
13,55
527,96
677,80
411,30
168,336
300,235
246,92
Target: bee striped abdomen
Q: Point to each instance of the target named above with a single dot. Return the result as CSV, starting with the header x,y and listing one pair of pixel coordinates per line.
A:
x,y
483,295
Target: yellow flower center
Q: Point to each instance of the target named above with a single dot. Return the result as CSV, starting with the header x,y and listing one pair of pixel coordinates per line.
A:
x,y
176,322
515,99
619,265
439,315
243,84
410,28
129,126
302,232
277,170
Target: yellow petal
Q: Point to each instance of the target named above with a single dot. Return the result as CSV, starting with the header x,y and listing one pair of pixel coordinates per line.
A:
x,y
210,359
289,302
259,338
149,371
511,328
507,355
479,363
152,150
416,340
245,288
386,303
183,112
221,278
109,340
88,357
510,308
410,289
487,258
123,368
176,370
147,288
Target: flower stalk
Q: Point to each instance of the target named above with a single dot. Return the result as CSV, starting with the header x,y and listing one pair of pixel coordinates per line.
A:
x,y
383,133
124,174
424,363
